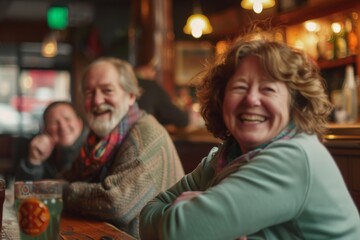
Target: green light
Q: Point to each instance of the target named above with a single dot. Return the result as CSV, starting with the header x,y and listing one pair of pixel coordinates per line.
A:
x,y
57,17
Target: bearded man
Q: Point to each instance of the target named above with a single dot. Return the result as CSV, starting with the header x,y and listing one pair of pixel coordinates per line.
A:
x,y
128,157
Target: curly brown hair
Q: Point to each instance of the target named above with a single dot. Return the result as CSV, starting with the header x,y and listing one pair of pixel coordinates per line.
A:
x,y
310,105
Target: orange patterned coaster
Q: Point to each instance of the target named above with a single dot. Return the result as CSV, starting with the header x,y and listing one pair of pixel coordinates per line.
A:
x,y
33,216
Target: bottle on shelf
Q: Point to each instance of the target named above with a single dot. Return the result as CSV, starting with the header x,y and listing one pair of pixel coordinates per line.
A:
x,y
340,41
352,39
325,45
349,92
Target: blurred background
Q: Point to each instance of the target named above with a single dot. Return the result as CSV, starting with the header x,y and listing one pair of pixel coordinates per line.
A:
x,y
137,30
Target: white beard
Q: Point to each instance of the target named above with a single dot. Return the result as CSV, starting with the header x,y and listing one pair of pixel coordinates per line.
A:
x,y
103,128
100,127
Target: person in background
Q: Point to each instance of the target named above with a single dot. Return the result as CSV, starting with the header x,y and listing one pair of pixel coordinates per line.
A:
x,y
155,100
272,178
54,150
128,156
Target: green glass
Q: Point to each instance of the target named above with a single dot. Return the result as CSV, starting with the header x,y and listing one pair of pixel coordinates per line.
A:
x,y
48,192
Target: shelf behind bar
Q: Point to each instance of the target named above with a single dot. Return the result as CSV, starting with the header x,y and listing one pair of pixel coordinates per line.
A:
x,y
337,62
314,11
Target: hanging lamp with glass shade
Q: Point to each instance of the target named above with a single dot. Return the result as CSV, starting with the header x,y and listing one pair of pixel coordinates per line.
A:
x,y
257,5
197,24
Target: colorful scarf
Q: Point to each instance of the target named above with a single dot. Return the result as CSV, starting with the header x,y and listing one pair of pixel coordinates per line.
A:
x,y
97,152
230,157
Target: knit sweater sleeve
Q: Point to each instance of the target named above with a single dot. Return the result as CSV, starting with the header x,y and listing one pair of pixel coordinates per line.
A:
x,y
118,199
146,163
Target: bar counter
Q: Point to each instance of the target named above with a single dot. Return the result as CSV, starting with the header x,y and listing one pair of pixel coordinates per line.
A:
x,y
343,135
335,134
192,145
338,135
343,142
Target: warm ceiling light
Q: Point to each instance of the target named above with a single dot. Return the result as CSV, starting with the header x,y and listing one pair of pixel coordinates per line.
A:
x,y
49,46
336,27
312,26
197,24
257,5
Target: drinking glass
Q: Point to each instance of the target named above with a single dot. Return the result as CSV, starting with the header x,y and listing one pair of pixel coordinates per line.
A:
x,y
38,206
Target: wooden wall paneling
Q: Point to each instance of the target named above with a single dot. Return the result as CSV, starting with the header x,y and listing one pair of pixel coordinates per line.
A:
x,y
343,165
355,172
348,161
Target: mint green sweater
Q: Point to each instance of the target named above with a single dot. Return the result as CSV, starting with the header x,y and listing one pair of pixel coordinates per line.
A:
x,y
291,190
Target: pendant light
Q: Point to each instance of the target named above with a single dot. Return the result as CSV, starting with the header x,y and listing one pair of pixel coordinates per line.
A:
x,y
49,46
197,24
257,5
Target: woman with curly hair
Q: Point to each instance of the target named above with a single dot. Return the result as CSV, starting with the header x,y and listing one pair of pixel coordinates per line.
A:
x,y
272,178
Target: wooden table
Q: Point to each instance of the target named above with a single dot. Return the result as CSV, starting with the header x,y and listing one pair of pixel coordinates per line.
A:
x,y
71,228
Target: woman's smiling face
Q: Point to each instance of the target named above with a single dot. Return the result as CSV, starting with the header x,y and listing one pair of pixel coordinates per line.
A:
x,y
255,109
